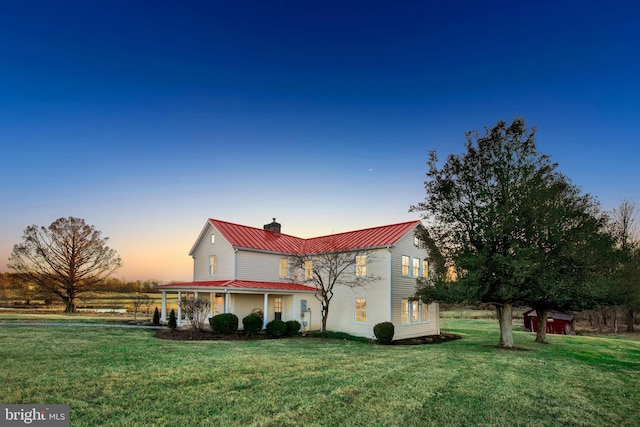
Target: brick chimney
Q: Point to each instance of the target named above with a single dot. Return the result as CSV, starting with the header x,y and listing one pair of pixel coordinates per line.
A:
x,y
274,227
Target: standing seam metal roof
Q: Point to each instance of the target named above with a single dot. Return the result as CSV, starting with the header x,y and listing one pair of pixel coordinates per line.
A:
x,y
243,236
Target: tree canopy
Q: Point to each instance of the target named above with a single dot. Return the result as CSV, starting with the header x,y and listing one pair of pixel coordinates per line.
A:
x,y
515,230
67,258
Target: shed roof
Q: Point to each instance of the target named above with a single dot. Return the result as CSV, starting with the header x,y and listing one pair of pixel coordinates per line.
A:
x,y
559,315
239,284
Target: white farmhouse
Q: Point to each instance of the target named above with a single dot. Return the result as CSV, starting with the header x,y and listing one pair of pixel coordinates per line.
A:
x,y
240,269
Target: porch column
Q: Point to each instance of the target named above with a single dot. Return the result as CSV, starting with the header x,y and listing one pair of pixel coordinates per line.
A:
x,y
195,296
226,302
163,314
265,311
179,319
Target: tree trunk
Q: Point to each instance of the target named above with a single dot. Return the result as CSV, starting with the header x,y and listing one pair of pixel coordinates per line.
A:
x,y
504,318
541,330
630,320
325,314
71,305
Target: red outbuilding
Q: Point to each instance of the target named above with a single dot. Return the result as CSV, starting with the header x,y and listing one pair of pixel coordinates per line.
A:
x,y
558,322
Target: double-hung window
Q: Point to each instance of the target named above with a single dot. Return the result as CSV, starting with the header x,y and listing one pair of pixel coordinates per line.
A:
x,y
308,269
213,269
361,265
284,267
416,267
360,309
405,265
425,268
414,312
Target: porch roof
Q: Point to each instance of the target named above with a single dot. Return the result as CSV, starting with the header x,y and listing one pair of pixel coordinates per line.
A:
x,y
239,285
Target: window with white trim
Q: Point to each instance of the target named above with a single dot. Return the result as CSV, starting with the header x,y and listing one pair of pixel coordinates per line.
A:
x,y
284,267
414,312
213,269
360,309
308,269
425,268
361,265
405,265
213,238
416,267
424,309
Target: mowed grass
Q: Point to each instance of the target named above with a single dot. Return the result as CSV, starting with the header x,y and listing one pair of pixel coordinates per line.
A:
x,y
123,377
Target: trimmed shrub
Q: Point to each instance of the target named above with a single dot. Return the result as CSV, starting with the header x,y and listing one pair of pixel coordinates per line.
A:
x,y
276,328
293,327
384,332
173,322
156,316
252,324
225,323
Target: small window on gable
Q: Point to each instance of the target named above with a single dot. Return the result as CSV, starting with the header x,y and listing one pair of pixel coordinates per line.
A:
x,y
361,265
405,265
284,267
213,238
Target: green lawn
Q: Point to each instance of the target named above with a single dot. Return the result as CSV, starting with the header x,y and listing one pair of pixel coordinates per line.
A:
x,y
124,377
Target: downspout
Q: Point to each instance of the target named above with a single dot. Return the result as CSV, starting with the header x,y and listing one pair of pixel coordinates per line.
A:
x,y
235,264
389,308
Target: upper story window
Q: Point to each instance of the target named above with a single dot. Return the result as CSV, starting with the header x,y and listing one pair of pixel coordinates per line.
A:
x,y
284,267
405,265
361,265
213,238
308,269
425,268
416,267
213,269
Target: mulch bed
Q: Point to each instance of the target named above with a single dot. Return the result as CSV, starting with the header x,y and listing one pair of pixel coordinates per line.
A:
x,y
190,335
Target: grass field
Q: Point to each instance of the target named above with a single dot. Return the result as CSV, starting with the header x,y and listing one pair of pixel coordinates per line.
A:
x,y
123,377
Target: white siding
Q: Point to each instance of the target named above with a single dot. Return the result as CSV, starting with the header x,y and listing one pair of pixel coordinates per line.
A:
x,y
342,308
259,266
224,257
405,287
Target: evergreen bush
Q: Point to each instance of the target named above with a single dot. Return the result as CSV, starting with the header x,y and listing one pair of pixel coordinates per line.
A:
x,y
384,332
276,328
173,322
156,316
252,324
293,327
225,323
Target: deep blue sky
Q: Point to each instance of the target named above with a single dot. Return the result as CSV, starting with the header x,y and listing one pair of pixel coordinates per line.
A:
x,y
146,118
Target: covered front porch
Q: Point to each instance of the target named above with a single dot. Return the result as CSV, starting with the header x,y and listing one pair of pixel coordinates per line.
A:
x,y
275,300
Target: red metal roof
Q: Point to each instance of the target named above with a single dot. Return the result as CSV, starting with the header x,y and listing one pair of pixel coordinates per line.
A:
x,y
241,284
243,236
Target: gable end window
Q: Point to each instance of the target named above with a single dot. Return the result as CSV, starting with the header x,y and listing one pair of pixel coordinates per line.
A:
x,y
213,238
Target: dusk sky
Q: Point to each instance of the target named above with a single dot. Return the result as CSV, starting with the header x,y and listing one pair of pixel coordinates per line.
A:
x,y
147,118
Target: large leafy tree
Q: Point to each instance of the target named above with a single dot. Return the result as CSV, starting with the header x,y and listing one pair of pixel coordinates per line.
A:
x,y
499,213
625,291
67,258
